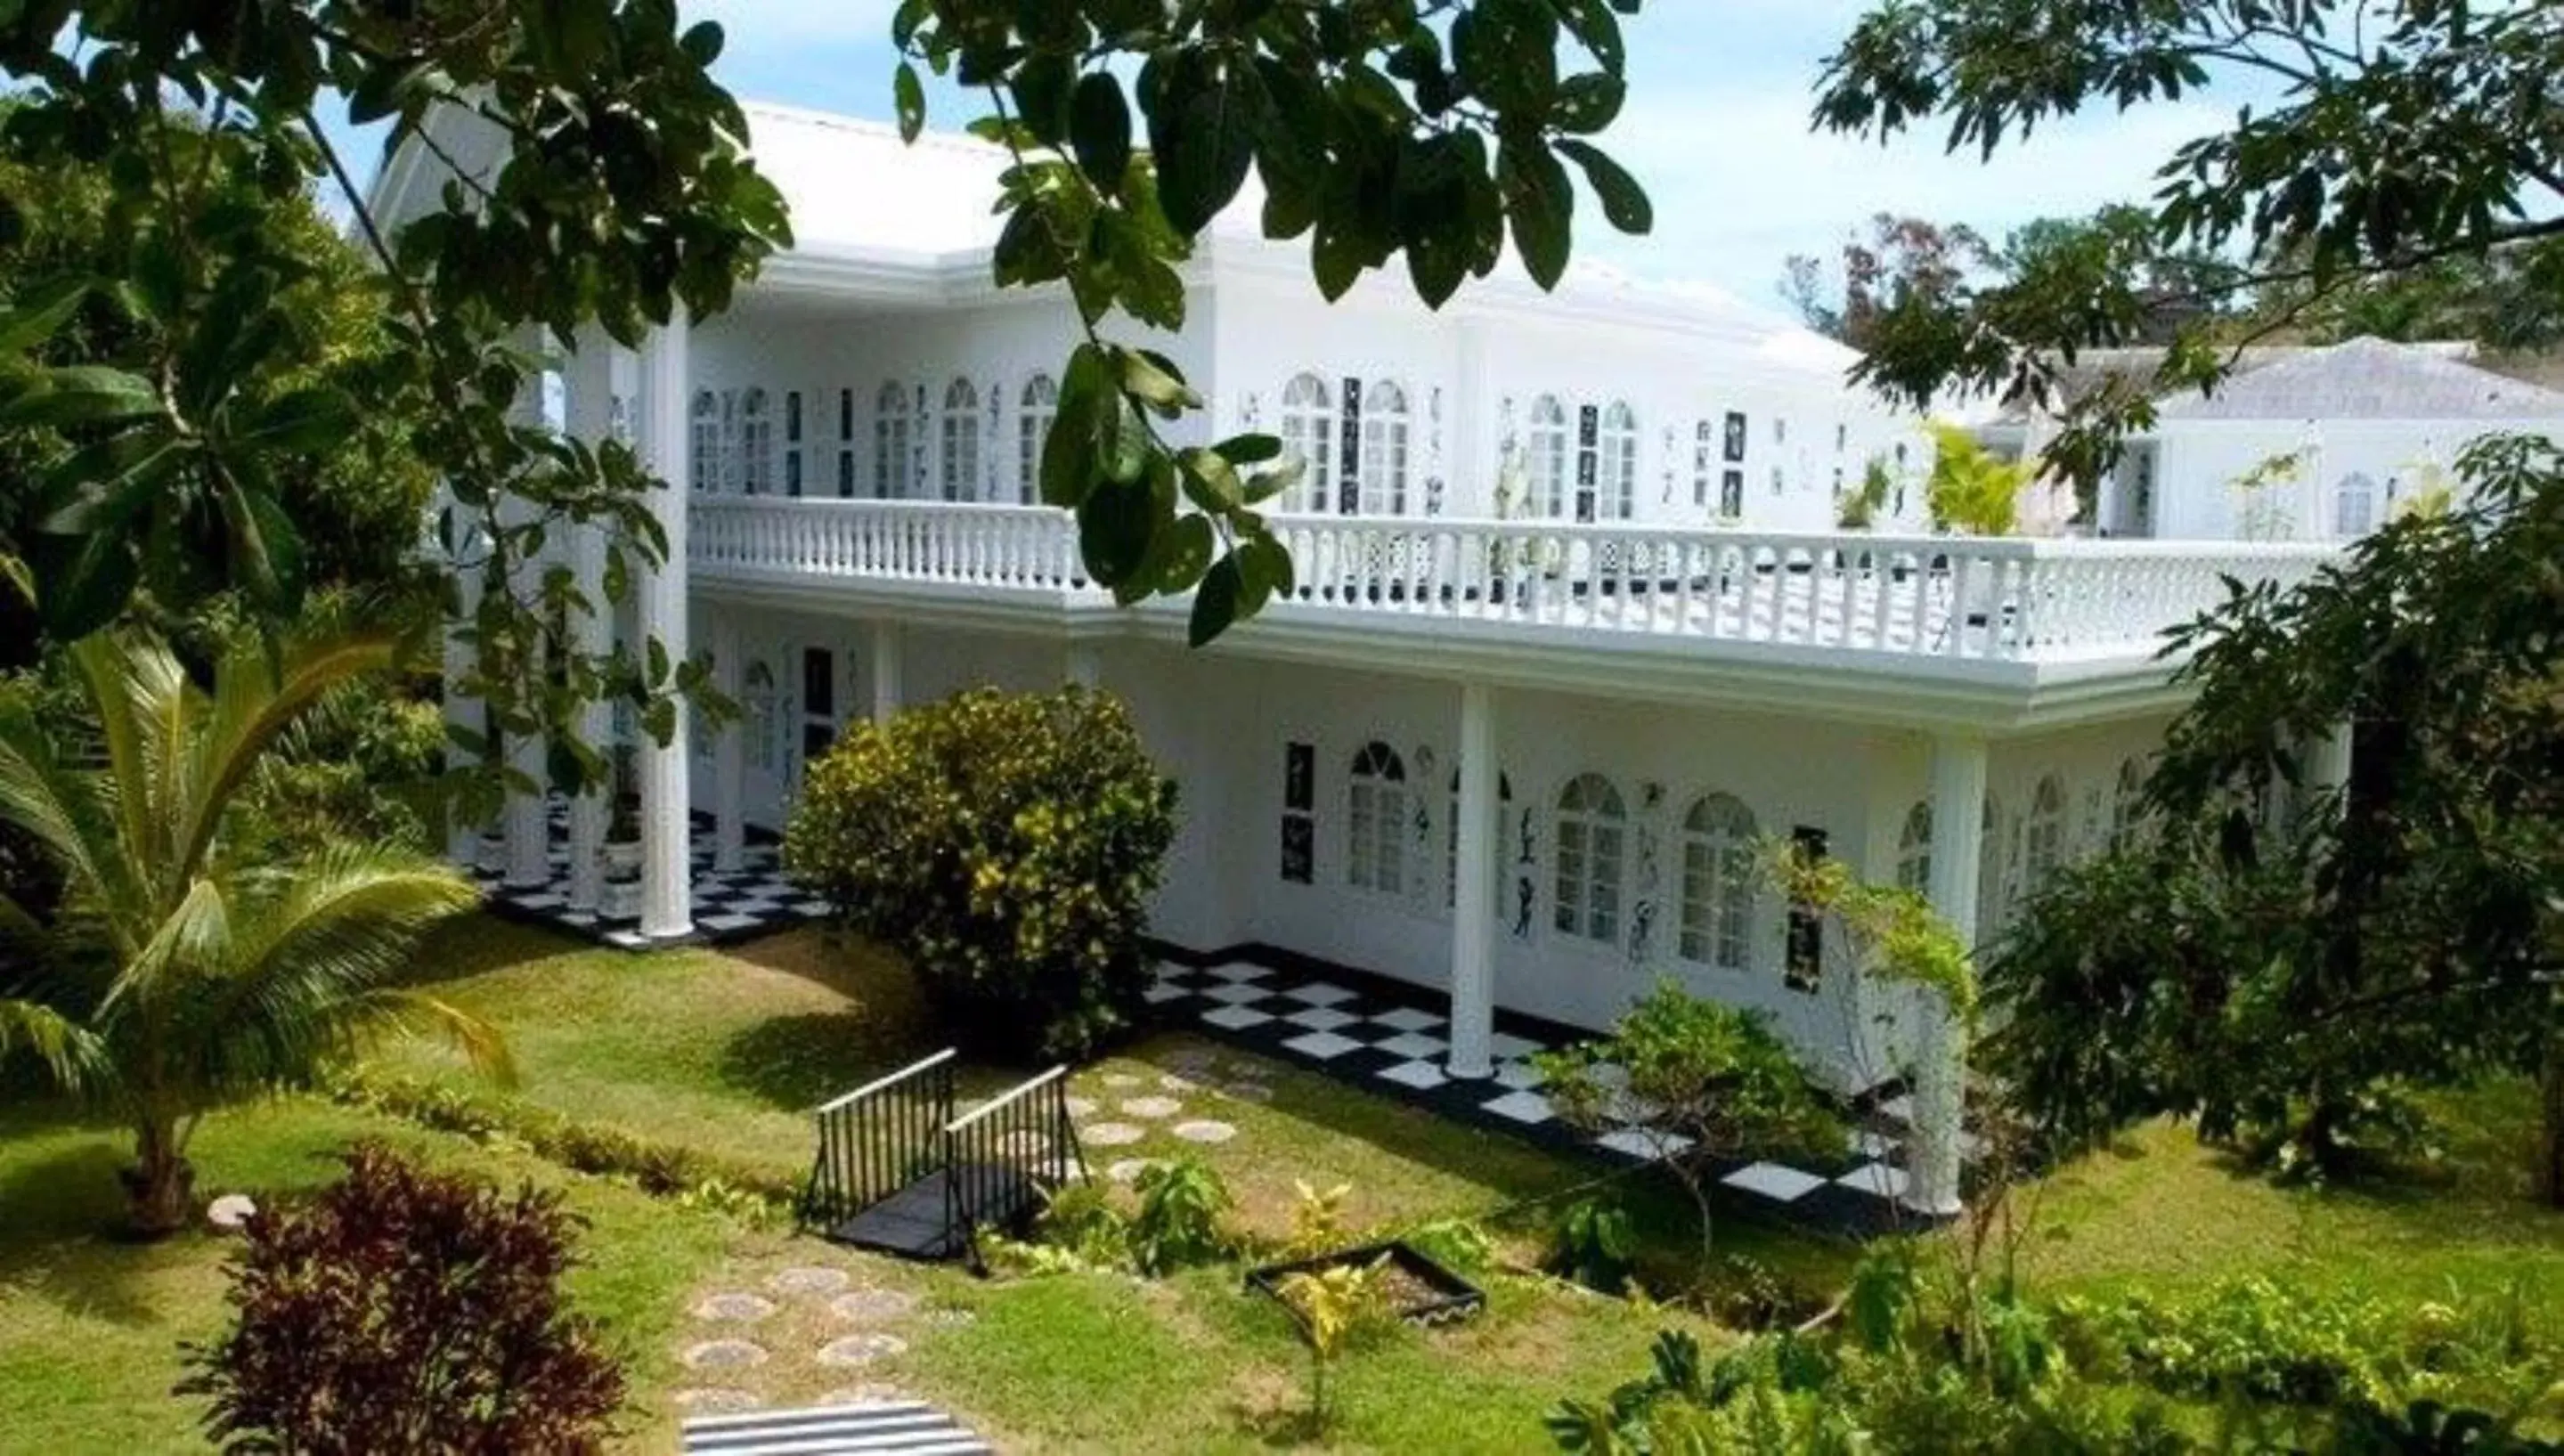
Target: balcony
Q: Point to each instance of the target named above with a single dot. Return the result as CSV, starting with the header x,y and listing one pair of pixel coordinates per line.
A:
x,y
1940,605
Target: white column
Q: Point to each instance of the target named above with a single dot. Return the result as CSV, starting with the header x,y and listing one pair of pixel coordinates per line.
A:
x,y
667,831
462,837
729,753
590,381
1085,667
1470,489
1473,897
2325,771
885,671
528,817
1940,1042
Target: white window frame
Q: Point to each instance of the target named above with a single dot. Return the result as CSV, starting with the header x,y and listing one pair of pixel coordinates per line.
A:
x,y
891,441
1616,468
1591,829
1914,850
1715,926
1035,410
760,704
1375,820
2355,490
2044,832
703,471
1549,471
1387,427
1309,430
756,444
959,457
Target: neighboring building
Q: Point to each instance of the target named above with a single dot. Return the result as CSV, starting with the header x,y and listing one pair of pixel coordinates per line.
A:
x,y
1527,758
2313,444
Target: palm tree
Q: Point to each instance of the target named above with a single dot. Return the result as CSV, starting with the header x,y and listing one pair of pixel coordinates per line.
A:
x,y
181,970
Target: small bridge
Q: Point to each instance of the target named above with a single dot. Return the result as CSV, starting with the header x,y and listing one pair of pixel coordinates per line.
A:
x,y
901,1169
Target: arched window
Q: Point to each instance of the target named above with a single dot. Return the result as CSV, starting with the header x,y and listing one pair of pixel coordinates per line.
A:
x,y
2129,803
1550,473
1619,464
1032,431
1309,430
757,707
2045,838
1451,839
1376,852
755,445
890,443
1914,851
2354,506
702,469
1384,448
961,441
1718,883
1593,851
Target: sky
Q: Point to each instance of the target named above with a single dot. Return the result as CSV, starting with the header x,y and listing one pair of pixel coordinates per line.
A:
x,y
1716,129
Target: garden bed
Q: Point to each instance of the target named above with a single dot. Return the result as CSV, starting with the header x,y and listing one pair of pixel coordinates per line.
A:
x,y
1414,1286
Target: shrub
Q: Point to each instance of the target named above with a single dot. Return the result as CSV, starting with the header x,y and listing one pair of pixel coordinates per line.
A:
x,y
1594,1244
406,1312
1183,1206
1008,845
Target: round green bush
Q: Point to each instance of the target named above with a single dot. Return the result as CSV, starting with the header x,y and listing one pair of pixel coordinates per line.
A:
x,y
1005,843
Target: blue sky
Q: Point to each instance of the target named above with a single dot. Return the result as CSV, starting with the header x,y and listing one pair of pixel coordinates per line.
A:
x,y
1716,129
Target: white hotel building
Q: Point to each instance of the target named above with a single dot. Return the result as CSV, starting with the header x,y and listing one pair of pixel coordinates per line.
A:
x,y
1573,627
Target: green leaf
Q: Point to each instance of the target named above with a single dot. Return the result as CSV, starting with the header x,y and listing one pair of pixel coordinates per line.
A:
x,y
305,420
1204,131
1183,554
1114,527
1541,205
1624,202
33,318
1250,448
1100,130
1042,85
908,93
84,394
1590,102
1216,601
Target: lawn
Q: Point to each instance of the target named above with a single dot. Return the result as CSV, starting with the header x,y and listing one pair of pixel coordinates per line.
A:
x,y
724,1052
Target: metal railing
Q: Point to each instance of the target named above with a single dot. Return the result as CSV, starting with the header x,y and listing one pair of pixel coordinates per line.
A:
x,y
1000,1156
878,1138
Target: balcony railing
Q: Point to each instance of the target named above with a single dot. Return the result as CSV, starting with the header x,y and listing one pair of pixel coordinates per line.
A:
x,y
1962,597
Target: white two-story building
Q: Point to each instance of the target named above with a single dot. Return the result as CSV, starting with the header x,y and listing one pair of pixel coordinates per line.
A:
x,y
1572,634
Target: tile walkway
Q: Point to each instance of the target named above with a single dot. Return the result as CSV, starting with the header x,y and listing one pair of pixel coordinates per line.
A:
x,y
1388,1038
727,908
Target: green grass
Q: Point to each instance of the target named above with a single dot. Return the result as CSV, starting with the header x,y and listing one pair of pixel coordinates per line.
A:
x,y
725,1052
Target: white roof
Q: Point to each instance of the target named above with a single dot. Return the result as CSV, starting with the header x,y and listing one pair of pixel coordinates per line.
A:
x,y
2368,379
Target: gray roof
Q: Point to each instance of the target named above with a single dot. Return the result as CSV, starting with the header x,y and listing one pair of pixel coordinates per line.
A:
x,y
2367,379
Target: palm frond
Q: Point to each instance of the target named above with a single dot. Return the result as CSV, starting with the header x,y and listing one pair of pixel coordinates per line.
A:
x,y
481,1043
76,1057
196,937
255,700
61,807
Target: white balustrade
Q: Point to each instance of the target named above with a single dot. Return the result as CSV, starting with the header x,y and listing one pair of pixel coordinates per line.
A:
x,y
1961,597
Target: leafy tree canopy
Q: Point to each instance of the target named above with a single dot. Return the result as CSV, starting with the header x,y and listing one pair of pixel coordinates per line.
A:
x,y
2397,135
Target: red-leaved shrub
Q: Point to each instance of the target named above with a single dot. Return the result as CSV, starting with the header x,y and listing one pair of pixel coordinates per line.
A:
x,y
405,1311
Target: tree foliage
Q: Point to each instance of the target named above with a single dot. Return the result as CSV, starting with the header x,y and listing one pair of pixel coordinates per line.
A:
x,y
1008,845
1970,489
2399,134
406,1312
1431,133
1902,261
182,969
2280,976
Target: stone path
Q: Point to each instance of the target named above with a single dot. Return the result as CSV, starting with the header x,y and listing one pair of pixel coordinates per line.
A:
x,y
862,1320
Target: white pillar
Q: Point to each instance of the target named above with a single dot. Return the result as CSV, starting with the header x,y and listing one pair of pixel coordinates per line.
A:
x,y
885,671
729,753
2325,771
590,381
1940,1042
667,829
527,822
462,837
1085,667
1473,897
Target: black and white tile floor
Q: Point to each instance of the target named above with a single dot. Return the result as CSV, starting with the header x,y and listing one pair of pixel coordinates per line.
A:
x,y
1391,1039
755,901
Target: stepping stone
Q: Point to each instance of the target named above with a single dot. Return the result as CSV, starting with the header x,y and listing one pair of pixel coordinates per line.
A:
x,y
1112,1135
1154,1109
856,1350
717,1401
1255,1092
1120,1079
1080,1106
808,1279
744,1307
872,1306
723,1355
1173,1082
1127,1170
865,1394
1206,1131
1193,1061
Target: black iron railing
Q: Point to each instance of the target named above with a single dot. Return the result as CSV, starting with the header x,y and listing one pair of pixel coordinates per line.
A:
x,y
999,1157
878,1138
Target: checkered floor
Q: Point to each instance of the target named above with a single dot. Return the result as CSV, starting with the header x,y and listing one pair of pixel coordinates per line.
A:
x,y
755,901
1391,1039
